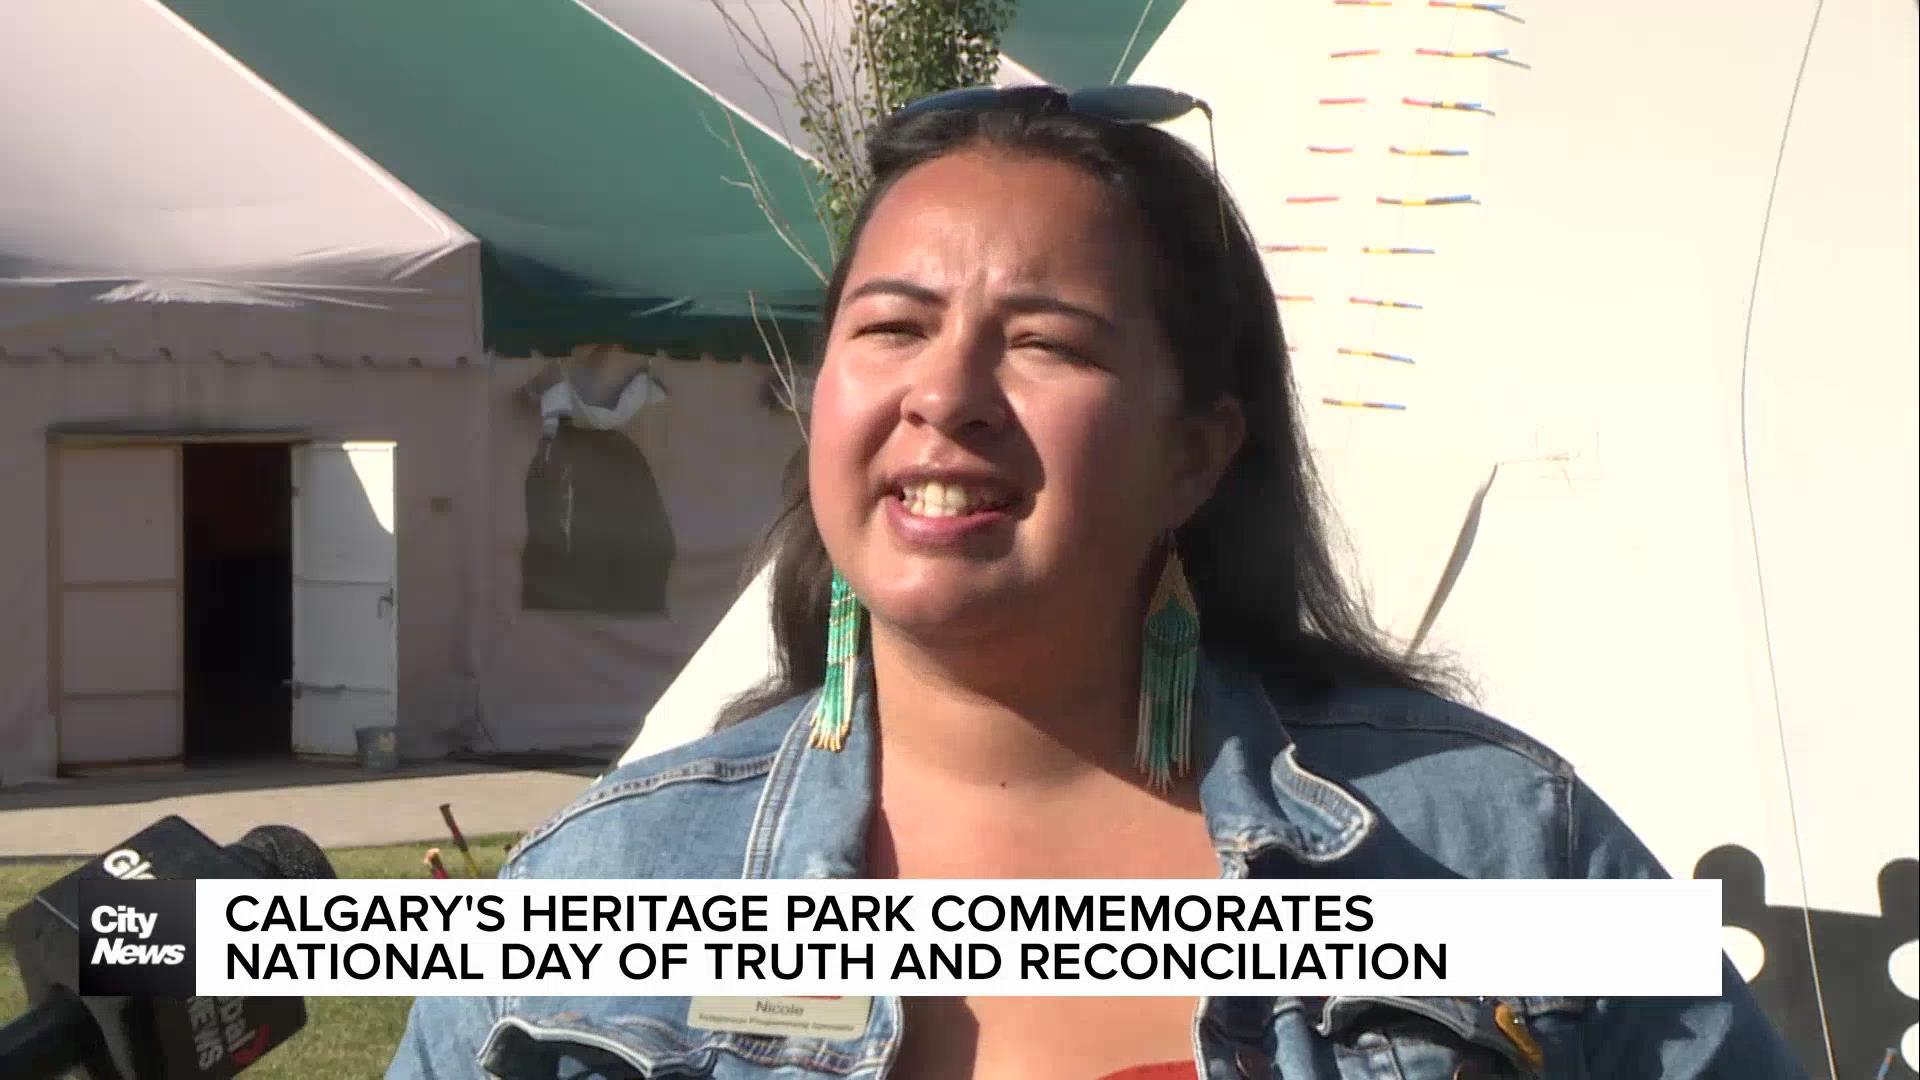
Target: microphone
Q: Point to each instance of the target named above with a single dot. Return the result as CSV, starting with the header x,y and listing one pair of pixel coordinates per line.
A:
x,y
129,1038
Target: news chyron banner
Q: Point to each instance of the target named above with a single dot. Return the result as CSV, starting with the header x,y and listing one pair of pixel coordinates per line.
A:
x,y
826,938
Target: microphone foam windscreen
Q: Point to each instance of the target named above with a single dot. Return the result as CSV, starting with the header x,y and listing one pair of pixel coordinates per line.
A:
x,y
287,852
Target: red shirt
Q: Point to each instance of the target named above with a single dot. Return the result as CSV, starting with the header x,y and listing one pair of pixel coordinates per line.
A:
x,y
1170,1070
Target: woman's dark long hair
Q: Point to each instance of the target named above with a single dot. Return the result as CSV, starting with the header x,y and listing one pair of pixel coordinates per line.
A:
x,y
1257,553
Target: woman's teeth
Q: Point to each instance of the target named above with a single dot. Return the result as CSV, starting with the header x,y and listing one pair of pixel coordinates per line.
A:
x,y
934,499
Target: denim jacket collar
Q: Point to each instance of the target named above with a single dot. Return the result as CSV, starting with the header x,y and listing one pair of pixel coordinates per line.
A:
x,y
1255,795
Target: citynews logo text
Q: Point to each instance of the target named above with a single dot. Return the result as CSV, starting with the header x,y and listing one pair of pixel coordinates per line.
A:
x,y
124,920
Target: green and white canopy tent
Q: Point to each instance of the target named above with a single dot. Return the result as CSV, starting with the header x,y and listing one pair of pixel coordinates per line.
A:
x,y
399,240
586,142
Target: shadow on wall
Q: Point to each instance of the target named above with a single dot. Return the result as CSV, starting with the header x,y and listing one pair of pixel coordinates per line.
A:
x,y
598,537
1865,1011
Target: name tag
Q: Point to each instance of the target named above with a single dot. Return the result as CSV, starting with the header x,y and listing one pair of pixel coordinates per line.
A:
x,y
811,1017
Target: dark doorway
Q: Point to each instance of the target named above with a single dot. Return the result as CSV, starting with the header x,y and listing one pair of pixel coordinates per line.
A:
x,y
238,518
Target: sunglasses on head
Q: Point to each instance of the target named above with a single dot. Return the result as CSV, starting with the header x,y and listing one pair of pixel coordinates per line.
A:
x,y
1118,104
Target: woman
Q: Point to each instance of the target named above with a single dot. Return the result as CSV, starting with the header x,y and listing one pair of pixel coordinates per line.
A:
x,y
1053,431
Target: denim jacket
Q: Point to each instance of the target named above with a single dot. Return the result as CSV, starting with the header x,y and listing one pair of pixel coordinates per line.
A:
x,y
1356,784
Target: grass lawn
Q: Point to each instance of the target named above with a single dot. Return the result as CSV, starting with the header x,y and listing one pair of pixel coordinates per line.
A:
x,y
344,1037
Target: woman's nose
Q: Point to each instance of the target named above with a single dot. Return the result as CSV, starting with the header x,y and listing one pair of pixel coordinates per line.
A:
x,y
954,384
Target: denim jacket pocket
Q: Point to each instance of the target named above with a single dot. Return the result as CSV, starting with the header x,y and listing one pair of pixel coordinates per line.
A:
x,y
592,1047
1496,1038
649,1039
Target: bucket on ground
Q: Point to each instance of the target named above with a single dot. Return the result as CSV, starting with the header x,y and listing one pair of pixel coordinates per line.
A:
x,y
378,750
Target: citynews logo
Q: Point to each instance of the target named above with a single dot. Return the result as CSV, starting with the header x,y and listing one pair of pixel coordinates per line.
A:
x,y
136,931
125,921
127,864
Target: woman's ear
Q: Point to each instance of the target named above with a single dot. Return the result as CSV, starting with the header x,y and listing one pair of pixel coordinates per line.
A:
x,y
1209,441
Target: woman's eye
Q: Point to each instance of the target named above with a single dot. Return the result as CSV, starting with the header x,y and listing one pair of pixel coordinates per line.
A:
x,y
1051,346
891,332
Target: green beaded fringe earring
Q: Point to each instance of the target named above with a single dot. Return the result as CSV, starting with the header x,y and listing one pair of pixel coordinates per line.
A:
x,y
1169,660
834,713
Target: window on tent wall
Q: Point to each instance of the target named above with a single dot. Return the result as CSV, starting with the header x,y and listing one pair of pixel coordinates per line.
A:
x,y
598,537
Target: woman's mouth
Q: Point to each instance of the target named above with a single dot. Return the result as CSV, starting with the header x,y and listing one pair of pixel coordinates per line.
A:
x,y
934,499
949,514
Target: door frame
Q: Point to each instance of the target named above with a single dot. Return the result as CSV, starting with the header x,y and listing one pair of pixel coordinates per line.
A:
x,y
94,437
